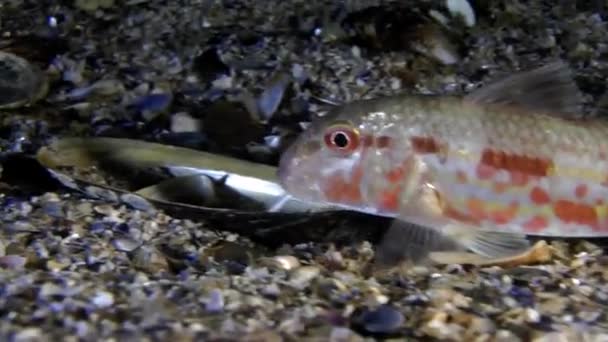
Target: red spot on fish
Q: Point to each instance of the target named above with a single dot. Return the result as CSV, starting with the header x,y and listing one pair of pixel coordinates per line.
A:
x,y
476,209
425,145
389,200
539,196
500,187
396,175
383,141
515,162
343,189
599,201
506,215
343,192
581,190
485,172
536,224
461,177
571,212
518,178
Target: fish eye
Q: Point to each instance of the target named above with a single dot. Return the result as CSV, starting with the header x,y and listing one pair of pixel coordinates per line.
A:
x,y
342,138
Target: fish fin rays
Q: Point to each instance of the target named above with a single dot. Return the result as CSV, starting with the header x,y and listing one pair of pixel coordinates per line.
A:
x,y
492,244
421,228
549,89
405,241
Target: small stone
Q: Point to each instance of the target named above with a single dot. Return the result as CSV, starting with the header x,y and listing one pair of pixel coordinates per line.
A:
x,y
29,335
589,316
153,103
150,259
215,301
54,209
107,87
462,9
298,73
183,122
382,320
439,327
125,244
282,262
506,336
49,289
480,326
375,297
532,315
103,299
271,290
395,83
553,306
302,276
223,82
293,325
12,262
341,334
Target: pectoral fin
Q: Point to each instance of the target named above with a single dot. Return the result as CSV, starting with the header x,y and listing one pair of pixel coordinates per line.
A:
x,y
422,227
405,241
412,242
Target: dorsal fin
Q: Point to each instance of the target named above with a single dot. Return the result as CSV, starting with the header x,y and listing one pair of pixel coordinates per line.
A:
x,y
549,89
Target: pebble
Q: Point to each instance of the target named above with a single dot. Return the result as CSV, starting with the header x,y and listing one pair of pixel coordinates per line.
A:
x,y
103,299
13,262
125,244
283,262
340,334
215,302
183,122
301,277
382,320
29,335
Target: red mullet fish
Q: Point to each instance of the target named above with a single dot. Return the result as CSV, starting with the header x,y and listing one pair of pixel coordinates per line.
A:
x,y
480,171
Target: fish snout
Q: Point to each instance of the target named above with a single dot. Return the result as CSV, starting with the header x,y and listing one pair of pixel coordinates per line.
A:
x,y
299,171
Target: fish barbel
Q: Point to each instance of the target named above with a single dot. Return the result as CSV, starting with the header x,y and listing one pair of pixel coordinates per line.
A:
x,y
483,170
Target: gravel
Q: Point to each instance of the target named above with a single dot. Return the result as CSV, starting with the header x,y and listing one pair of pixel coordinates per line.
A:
x,y
242,78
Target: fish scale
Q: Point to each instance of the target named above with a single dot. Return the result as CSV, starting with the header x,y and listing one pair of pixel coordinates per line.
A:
x,y
512,157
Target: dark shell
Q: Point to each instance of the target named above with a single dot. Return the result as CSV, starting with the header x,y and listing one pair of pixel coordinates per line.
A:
x,y
20,82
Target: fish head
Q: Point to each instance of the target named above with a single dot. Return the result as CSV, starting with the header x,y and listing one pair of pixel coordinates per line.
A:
x,y
346,158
